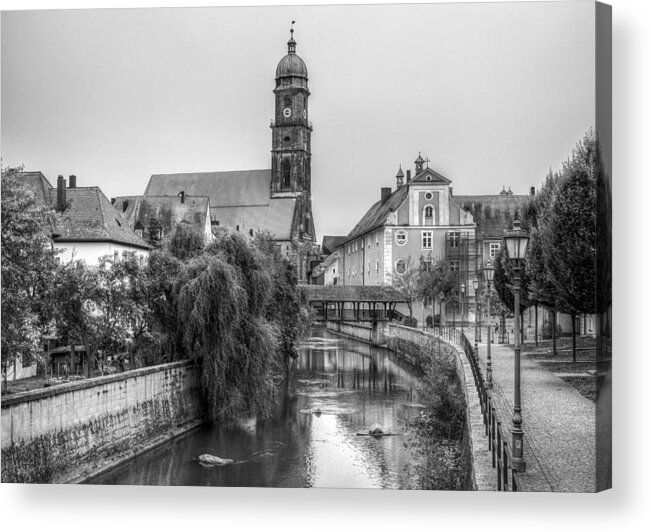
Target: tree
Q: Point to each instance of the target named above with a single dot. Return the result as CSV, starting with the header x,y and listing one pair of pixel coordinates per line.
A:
x,y
222,297
186,242
27,263
436,282
408,284
72,296
503,280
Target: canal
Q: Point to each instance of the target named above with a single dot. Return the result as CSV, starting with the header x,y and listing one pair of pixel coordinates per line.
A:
x,y
340,388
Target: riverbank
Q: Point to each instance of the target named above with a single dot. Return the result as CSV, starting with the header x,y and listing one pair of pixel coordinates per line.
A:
x,y
455,458
73,431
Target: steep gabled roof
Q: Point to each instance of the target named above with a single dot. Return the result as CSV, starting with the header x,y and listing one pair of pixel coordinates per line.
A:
x,y
376,216
494,213
330,243
238,198
168,210
224,189
434,178
89,216
39,185
277,217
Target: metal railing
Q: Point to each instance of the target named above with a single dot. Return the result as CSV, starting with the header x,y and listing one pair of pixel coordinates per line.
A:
x,y
495,430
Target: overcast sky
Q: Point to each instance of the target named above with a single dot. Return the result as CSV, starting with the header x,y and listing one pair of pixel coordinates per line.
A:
x,y
493,94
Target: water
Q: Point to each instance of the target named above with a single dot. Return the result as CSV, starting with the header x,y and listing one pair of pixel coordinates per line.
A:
x,y
340,387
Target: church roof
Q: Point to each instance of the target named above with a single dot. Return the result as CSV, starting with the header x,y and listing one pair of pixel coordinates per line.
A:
x,y
291,65
237,198
330,243
376,216
224,189
168,210
495,212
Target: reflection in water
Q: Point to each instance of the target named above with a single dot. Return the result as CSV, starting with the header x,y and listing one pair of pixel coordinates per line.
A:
x,y
339,387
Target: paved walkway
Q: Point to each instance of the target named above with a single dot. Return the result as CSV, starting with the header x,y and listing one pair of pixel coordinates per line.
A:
x,y
559,423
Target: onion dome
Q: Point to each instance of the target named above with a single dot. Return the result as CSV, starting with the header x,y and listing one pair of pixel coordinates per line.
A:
x,y
291,65
420,160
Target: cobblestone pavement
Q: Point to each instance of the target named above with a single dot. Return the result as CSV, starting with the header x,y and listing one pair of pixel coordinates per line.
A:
x,y
558,423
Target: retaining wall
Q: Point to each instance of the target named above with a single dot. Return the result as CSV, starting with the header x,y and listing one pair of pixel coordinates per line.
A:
x,y
69,432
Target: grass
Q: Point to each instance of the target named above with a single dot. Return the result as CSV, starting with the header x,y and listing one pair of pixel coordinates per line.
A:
x,y
586,360
34,383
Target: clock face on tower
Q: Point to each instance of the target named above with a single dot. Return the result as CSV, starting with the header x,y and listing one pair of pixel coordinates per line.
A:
x,y
287,112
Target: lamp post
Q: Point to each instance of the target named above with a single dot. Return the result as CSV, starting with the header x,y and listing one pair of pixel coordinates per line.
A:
x,y
475,285
463,292
516,242
489,271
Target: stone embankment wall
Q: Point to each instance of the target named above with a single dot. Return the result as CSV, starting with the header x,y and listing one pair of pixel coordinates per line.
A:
x,y
69,432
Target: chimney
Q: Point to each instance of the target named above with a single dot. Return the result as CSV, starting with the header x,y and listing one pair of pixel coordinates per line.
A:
x,y
182,196
408,176
125,204
112,201
451,191
532,191
61,194
73,182
385,194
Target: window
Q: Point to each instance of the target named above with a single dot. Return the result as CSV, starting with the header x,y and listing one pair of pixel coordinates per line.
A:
x,y
427,239
116,256
493,249
454,240
454,265
428,196
428,215
287,101
286,174
401,266
369,269
139,232
377,266
377,239
401,237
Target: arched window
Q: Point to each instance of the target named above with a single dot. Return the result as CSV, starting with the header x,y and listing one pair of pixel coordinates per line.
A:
x,y
428,215
285,174
287,101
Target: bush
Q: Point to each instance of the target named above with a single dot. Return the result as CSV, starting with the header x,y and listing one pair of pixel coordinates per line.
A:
x,y
410,321
436,322
546,330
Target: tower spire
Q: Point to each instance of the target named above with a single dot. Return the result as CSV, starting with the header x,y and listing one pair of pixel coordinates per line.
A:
x,y
291,44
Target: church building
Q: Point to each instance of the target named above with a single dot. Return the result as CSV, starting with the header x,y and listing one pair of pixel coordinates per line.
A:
x,y
278,199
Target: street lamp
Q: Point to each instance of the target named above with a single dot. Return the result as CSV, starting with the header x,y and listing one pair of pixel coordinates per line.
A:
x,y
475,285
489,271
463,291
516,242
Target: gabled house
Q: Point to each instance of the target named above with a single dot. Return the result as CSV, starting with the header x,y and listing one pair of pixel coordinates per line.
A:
x,y
83,223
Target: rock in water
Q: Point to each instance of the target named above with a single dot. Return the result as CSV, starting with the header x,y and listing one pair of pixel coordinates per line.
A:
x,y
214,460
376,429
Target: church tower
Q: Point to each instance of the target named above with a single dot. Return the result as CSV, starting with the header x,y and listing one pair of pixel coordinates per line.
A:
x,y
291,129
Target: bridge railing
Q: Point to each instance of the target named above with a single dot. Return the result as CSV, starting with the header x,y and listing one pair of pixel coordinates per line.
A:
x,y
496,431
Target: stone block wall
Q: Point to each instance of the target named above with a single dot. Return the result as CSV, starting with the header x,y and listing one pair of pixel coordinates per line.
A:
x,y
70,431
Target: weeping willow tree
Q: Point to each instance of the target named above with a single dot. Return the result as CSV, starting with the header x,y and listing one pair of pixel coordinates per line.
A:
x,y
222,298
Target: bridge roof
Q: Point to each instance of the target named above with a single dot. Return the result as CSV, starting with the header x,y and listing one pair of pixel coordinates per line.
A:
x,y
377,294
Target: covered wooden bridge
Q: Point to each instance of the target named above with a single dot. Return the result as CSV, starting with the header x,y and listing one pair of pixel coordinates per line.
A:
x,y
353,303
